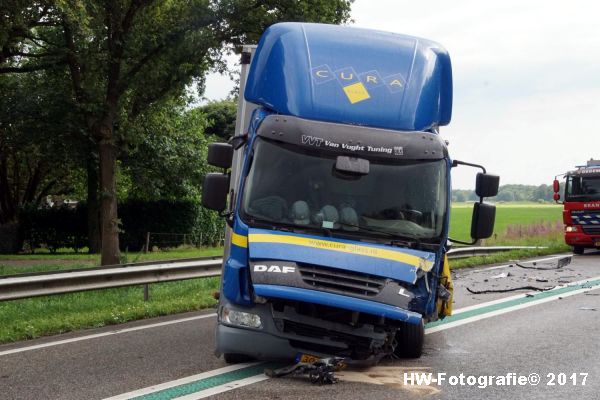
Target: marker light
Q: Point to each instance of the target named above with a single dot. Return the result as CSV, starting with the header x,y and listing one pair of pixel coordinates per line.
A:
x,y
240,318
571,229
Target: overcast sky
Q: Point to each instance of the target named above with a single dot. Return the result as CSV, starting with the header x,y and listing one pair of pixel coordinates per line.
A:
x,y
526,80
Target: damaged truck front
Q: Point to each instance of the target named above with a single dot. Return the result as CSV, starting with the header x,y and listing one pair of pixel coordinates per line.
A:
x,y
336,193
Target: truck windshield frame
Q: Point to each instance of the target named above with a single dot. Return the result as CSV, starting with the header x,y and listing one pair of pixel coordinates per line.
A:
x,y
582,188
296,188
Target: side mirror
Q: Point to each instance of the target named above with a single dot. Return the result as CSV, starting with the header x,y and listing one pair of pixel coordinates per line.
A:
x,y
482,224
556,188
486,185
214,191
220,155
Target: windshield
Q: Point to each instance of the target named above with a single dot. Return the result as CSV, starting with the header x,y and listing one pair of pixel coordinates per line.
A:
x,y
581,188
291,187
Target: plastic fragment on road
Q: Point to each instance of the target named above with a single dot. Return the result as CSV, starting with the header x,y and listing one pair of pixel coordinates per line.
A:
x,y
560,263
501,275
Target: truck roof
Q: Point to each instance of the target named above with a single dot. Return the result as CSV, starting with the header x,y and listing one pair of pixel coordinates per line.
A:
x,y
592,168
352,75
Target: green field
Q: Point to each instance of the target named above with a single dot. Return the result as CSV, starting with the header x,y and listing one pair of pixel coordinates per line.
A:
x,y
506,215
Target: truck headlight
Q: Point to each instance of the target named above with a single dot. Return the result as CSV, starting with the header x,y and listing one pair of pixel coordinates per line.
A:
x,y
240,318
571,229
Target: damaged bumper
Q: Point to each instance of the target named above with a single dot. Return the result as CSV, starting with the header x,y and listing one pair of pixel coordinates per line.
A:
x,y
285,331
335,300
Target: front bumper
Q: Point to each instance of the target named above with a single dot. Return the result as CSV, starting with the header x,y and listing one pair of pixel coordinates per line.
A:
x,y
266,343
582,239
285,333
258,344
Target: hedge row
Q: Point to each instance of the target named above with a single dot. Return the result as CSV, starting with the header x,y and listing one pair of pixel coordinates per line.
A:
x,y
67,226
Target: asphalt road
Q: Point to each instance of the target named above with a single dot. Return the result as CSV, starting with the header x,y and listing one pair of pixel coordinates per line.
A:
x,y
555,334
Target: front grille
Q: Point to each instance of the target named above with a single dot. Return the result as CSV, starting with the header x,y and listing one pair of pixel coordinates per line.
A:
x,y
339,343
586,218
322,333
591,229
340,280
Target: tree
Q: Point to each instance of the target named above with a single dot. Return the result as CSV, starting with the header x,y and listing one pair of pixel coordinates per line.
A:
x,y
124,56
167,160
39,140
221,118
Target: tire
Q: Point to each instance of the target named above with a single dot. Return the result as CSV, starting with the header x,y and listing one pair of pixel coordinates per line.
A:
x,y
578,250
232,358
410,340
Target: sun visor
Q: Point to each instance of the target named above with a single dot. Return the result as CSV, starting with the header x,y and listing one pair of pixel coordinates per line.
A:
x,y
358,141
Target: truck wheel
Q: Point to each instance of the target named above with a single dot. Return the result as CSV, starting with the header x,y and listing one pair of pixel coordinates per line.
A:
x,y
232,358
409,340
578,249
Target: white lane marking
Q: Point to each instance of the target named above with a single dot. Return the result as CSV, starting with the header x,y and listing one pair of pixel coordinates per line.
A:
x,y
224,388
507,310
518,296
103,334
182,381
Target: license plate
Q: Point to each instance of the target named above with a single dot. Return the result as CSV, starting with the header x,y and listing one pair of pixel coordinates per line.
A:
x,y
306,358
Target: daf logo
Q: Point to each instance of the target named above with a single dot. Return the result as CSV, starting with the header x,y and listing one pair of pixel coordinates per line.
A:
x,y
284,269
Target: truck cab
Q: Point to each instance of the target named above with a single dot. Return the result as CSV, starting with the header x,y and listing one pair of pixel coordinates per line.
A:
x,y
581,213
336,192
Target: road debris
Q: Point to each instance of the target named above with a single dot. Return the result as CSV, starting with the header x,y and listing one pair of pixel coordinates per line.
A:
x,y
562,262
510,289
502,275
320,371
587,309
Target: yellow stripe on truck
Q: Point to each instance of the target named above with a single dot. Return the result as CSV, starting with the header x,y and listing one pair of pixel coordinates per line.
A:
x,y
368,251
239,240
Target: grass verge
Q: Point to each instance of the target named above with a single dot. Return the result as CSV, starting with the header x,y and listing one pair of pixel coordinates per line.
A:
x,y
507,256
19,264
49,315
68,255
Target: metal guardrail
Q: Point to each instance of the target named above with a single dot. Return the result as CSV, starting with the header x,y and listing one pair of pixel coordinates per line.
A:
x,y
21,286
31,285
463,252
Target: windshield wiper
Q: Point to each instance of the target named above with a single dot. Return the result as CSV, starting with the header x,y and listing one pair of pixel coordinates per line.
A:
x,y
276,226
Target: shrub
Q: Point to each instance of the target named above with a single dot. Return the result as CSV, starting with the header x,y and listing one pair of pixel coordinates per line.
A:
x,y
56,227
67,226
9,238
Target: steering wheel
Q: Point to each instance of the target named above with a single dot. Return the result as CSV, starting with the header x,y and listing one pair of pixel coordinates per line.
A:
x,y
412,214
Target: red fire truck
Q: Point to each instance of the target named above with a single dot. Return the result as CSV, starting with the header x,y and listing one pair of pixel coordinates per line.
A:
x,y
581,213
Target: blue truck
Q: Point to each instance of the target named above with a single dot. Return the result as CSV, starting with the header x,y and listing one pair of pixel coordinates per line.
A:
x,y
336,192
